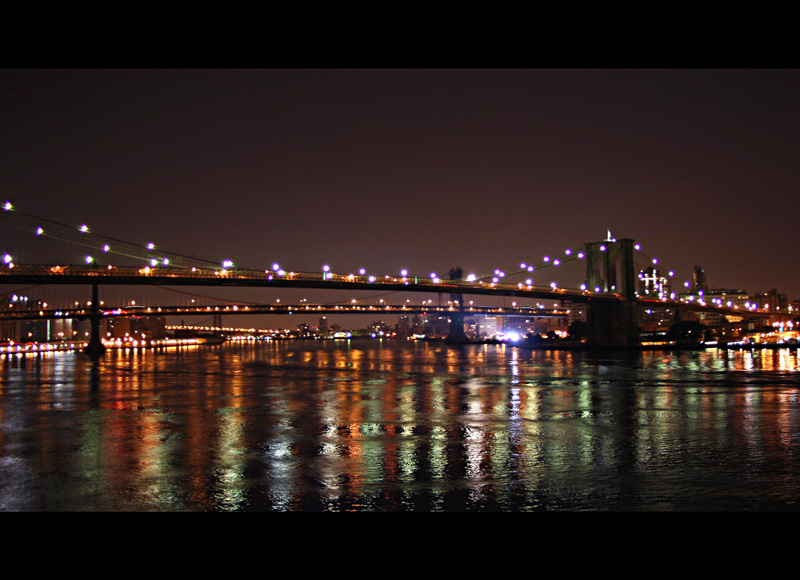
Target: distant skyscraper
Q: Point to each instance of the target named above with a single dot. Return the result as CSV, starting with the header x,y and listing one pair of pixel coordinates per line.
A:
x,y
699,280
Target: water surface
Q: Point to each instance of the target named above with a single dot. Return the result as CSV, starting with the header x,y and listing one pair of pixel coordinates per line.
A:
x,y
399,426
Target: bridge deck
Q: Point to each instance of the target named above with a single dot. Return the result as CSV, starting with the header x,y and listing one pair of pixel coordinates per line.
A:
x,y
170,276
22,274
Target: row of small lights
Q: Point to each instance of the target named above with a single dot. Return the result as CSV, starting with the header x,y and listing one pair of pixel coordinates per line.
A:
x,y
84,229
498,273
129,342
548,261
15,348
327,274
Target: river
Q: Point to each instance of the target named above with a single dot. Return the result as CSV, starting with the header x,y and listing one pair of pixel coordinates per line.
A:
x,y
397,426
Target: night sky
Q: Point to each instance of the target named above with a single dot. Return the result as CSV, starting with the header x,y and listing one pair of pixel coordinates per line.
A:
x,y
423,169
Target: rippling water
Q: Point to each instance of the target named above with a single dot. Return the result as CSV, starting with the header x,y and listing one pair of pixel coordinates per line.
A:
x,y
399,426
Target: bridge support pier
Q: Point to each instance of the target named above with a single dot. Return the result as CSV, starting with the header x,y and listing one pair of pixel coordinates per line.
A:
x,y
612,324
457,334
95,346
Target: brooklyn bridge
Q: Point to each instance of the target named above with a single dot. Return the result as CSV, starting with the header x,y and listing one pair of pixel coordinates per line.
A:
x,y
608,290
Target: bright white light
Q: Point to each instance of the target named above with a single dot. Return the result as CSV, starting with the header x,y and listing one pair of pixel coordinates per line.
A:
x,y
7,206
655,260
637,247
495,280
529,282
471,278
227,264
88,259
513,336
151,246
602,248
275,267
404,273
556,262
166,261
530,268
553,285
580,255
583,286
84,228
433,275
362,271
326,268
39,231
523,266
7,258
547,258
106,248
671,273
154,262
371,278
568,251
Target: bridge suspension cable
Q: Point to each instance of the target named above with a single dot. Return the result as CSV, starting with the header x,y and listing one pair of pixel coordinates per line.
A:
x,y
85,237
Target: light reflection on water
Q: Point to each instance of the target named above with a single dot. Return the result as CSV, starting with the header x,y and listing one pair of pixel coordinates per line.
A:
x,y
398,426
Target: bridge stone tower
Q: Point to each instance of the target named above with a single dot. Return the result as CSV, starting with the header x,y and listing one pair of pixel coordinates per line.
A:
x,y
457,334
610,268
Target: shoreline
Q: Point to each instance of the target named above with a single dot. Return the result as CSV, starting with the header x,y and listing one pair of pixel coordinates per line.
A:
x,y
79,346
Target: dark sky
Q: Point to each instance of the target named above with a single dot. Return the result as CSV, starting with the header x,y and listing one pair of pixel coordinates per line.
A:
x,y
422,169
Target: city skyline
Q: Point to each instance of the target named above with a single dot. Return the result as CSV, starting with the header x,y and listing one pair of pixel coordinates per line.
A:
x,y
419,169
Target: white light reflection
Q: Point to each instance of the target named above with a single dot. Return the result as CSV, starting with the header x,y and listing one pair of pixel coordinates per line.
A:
x,y
231,460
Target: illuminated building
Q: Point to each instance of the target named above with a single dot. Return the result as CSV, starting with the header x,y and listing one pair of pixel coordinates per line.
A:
x,y
699,283
725,299
652,284
489,325
403,326
128,327
772,301
23,330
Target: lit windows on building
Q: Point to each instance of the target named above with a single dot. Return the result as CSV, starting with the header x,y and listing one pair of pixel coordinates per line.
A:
x,y
653,284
